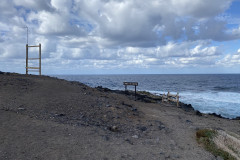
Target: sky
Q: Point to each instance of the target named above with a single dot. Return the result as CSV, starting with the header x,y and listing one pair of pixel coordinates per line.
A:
x,y
122,36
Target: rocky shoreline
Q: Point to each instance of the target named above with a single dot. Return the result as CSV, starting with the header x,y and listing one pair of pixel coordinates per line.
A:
x,y
148,97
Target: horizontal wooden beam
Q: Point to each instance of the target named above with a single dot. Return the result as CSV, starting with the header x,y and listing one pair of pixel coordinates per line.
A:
x,y
173,100
33,58
34,46
131,83
33,70
32,67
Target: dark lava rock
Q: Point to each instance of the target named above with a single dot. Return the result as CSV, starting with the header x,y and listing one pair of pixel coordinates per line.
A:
x,y
198,113
237,118
113,128
134,109
161,127
108,105
100,88
217,115
7,73
60,115
142,128
186,107
129,141
128,105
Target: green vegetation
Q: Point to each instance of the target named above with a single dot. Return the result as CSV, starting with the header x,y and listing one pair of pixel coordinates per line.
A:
x,y
149,97
148,94
144,93
205,138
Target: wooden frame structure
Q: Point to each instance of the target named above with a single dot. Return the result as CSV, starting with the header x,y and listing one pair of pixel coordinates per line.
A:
x,y
131,84
33,69
171,97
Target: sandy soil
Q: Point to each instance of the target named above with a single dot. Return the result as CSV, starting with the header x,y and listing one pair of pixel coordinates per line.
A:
x,y
47,118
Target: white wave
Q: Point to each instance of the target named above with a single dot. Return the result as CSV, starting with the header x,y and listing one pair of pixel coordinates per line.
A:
x,y
160,92
226,104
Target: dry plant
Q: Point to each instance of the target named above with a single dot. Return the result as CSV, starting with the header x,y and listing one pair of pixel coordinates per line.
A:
x,y
213,141
228,142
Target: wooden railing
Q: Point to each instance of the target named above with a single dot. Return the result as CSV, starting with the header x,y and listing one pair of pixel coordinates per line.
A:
x,y
171,97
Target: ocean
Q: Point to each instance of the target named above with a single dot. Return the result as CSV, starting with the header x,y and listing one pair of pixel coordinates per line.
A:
x,y
207,93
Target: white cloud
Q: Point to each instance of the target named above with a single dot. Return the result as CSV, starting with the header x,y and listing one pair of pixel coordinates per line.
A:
x,y
51,23
62,6
199,8
135,22
236,31
113,33
54,24
207,51
230,60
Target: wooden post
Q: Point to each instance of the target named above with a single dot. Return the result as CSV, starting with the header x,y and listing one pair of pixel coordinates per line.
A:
x,y
26,58
177,99
168,95
135,92
40,59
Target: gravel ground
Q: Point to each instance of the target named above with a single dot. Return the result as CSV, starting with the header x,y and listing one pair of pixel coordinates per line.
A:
x,y
47,118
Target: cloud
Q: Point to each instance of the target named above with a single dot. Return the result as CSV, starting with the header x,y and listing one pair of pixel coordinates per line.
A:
x,y
54,24
140,23
126,23
37,5
236,31
62,6
199,8
177,54
230,60
119,34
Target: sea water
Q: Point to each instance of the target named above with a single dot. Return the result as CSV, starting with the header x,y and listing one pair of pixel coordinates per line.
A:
x,y
208,93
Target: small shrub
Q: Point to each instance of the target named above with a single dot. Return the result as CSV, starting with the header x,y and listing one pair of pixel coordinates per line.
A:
x,y
205,133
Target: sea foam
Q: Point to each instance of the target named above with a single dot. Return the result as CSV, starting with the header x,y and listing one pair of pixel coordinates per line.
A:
x,y
227,104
